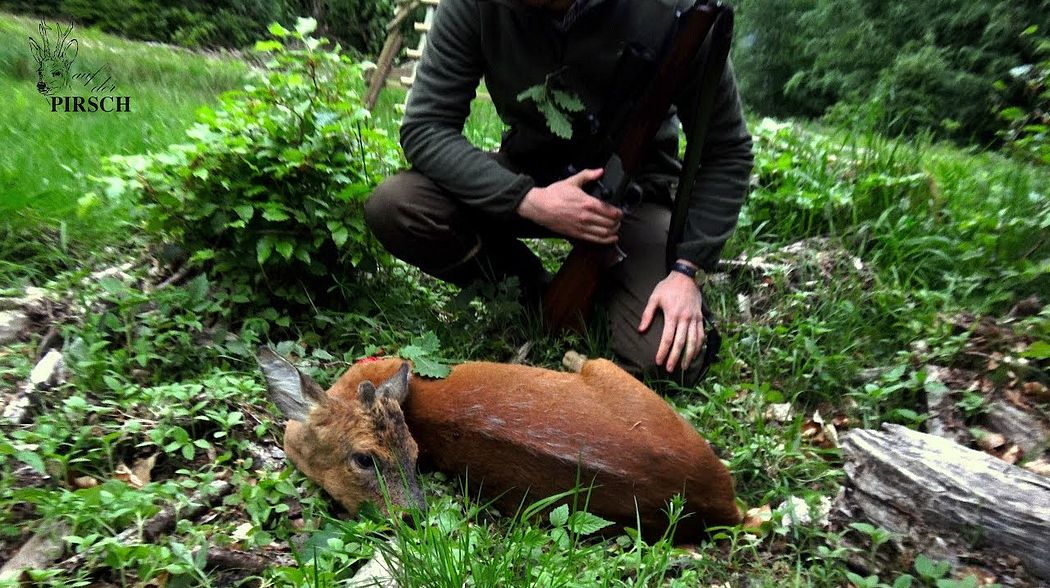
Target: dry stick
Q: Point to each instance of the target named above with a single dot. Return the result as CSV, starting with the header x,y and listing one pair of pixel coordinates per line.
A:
x,y
200,502
223,559
176,278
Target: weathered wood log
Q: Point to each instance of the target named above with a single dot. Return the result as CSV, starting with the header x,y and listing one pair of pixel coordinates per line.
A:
x,y
902,479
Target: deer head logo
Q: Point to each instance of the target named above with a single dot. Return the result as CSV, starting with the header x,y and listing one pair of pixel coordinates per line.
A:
x,y
53,59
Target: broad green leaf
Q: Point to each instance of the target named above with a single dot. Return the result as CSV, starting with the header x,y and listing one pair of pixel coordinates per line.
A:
x,y
263,249
585,523
1037,350
340,235
277,30
285,248
865,528
245,211
428,367
904,581
198,287
560,515
305,26
267,46
275,214
930,569
31,459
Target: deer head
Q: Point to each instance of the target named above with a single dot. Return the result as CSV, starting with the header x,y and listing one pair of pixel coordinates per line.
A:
x,y
53,60
354,443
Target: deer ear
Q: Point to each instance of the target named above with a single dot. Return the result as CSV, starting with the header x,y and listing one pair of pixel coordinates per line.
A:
x,y
366,392
396,387
69,52
294,393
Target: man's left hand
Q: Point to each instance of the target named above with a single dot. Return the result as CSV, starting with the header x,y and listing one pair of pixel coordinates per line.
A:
x,y
679,299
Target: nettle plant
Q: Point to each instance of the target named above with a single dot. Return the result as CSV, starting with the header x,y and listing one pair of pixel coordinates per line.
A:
x,y
270,192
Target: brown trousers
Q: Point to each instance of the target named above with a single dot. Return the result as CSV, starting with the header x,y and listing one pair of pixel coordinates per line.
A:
x,y
424,225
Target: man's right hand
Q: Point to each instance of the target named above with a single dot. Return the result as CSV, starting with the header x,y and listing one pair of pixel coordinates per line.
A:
x,y
566,209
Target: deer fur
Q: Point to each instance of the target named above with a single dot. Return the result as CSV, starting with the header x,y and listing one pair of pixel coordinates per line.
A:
x,y
522,433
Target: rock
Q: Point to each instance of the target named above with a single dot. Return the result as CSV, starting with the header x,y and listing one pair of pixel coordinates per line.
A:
x,y
16,408
49,371
12,324
39,552
780,413
1020,427
375,574
33,297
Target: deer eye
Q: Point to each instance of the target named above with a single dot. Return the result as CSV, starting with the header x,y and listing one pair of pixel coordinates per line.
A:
x,y
363,461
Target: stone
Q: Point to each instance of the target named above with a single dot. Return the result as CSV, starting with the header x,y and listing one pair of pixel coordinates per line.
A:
x,y
49,372
12,324
1023,428
375,574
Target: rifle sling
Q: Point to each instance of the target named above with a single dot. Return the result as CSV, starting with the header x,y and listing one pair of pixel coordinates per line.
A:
x,y
714,55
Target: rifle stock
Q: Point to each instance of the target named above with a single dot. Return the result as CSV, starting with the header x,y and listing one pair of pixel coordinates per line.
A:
x,y
570,296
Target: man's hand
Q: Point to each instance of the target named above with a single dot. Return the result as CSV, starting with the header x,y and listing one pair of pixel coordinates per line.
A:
x,y
678,297
566,209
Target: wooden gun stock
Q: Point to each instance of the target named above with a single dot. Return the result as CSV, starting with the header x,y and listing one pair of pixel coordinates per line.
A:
x,y
570,296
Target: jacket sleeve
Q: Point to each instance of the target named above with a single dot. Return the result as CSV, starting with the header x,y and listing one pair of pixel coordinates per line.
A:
x,y
447,78
722,181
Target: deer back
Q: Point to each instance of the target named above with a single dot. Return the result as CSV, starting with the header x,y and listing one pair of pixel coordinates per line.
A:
x,y
522,432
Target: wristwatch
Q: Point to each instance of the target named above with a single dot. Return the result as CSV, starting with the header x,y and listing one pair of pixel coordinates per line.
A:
x,y
698,275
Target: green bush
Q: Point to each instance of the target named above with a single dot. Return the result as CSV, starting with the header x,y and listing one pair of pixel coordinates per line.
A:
x,y
1028,132
925,65
270,192
360,24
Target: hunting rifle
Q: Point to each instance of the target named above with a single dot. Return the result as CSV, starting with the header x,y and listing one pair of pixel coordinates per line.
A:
x,y
570,295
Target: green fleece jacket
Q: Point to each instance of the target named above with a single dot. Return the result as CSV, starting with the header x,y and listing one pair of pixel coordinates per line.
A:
x,y
514,47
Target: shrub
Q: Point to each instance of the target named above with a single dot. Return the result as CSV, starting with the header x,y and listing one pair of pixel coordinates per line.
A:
x,y
1028,131
270,192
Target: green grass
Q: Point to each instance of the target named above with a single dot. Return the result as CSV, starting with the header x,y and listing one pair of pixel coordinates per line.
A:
x,y
49,156
936,230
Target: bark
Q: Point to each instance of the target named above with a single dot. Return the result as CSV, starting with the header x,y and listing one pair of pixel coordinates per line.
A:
x,y
907,482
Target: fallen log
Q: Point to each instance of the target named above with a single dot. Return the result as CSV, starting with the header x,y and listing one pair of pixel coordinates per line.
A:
x,y
910,482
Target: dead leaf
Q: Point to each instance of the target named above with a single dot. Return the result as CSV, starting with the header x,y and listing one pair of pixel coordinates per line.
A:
x,y
242,532
1011,455
124,474
820,433
144,467
984,577
82,482
1013,396
780,413
988,440
158,581
1038,390
1040,466
756,516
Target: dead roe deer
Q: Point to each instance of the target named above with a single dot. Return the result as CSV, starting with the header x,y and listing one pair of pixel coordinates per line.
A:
x,y
511,429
